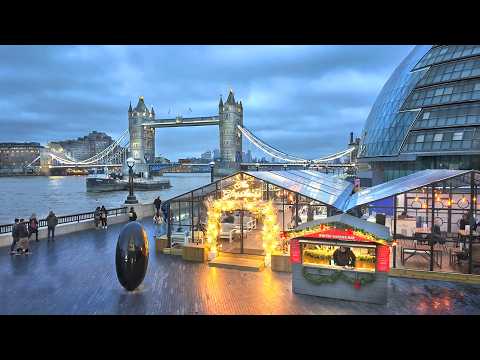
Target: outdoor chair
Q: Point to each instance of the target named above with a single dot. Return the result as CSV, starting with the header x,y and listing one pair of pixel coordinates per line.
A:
x,y
227,230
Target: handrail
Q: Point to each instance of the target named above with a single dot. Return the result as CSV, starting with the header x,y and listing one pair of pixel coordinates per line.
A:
x,y
67,219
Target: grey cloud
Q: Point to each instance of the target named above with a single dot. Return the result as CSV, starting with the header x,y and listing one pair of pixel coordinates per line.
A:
x,y
291,94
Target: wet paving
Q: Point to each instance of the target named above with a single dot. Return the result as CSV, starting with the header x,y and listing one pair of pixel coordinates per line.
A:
x,y
76,275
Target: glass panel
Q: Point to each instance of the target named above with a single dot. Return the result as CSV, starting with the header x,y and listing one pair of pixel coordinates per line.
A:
x,y
460,91
446,53
385,125
457,136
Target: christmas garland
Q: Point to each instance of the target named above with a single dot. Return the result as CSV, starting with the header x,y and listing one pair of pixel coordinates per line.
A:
x,y
318,279
356,231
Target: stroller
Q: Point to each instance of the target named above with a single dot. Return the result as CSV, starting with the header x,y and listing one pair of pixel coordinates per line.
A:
x,y
22,245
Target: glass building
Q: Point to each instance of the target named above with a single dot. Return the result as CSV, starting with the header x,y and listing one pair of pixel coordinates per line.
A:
x,y
427,116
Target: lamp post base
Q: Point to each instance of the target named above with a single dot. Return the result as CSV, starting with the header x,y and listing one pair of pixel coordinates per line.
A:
x,y
131,199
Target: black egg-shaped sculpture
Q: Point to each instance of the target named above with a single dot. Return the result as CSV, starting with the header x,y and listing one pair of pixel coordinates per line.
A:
x,y
131,258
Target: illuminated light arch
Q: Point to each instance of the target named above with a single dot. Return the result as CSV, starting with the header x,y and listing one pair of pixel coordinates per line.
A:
x,y
243,197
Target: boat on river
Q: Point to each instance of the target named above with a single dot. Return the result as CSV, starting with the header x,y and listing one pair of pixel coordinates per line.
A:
x,y
108,182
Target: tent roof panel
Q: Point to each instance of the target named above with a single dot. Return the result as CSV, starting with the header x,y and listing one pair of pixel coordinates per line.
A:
x,y
400,185
325,188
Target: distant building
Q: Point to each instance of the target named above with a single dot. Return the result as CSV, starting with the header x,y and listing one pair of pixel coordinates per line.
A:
x,y
161,160
14,157
83,147
207,155
216,155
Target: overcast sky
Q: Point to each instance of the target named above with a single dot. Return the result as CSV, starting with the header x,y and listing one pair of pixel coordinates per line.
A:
x,y
303,100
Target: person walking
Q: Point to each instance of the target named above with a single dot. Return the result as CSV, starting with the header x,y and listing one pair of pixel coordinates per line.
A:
x,y
33,227
96,217
103,217
52,222
14,236
165,211
23,236
132,215
157,203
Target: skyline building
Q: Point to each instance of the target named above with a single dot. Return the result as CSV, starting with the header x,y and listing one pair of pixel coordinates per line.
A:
x,y
14,157
427,115
83,147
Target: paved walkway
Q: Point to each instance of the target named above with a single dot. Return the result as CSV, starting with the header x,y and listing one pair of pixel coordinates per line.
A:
x,y
76,275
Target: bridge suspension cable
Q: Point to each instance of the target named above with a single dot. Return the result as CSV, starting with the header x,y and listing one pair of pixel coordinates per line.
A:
x,y
270,150
115,150
262,145
33,162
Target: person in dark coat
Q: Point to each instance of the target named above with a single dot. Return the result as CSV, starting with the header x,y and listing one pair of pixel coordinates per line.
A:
x,y
23,236
166,211
14,236
52,222
344,256
157,203
103,216
132,215
33,227
96,217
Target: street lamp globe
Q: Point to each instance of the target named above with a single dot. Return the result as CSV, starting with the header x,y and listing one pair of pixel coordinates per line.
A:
x,y
130,162
212,164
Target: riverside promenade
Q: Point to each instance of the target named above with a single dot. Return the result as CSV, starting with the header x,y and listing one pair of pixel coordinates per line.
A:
x,y
76,275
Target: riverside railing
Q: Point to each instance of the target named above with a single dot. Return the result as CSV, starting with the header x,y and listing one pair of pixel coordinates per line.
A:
x,y
67,219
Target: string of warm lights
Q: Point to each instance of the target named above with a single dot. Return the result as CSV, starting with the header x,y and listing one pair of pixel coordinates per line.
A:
x,y
243,196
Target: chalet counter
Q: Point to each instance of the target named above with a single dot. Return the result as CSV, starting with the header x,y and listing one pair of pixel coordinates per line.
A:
x,y
341,257
339,283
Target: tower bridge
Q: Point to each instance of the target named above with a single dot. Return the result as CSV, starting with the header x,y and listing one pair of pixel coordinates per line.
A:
x,y
138,141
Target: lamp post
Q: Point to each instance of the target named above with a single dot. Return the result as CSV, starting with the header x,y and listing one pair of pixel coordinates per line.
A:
x,y
212,166
257,165
131,199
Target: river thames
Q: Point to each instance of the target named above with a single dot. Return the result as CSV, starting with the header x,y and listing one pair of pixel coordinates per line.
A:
x,y
22,196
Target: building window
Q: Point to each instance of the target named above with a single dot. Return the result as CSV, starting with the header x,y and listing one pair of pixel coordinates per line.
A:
x,y
457,136
426,116
421,138
477,87
438,137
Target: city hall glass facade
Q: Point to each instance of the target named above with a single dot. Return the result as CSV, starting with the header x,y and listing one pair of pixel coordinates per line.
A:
x,y
427,115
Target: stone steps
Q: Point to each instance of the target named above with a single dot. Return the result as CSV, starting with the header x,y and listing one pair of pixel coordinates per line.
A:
x,y
238,263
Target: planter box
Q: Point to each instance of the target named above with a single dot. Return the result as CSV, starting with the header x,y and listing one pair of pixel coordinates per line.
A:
x,y
161,242
195,252
173,251
281,262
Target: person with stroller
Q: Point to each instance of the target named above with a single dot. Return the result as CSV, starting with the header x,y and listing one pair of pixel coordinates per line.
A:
x,y
23,237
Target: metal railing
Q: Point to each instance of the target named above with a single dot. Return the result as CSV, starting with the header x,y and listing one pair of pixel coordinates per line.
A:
x,y
67,219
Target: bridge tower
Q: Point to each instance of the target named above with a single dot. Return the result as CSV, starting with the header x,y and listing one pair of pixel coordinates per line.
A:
x,y
230,115
142,138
